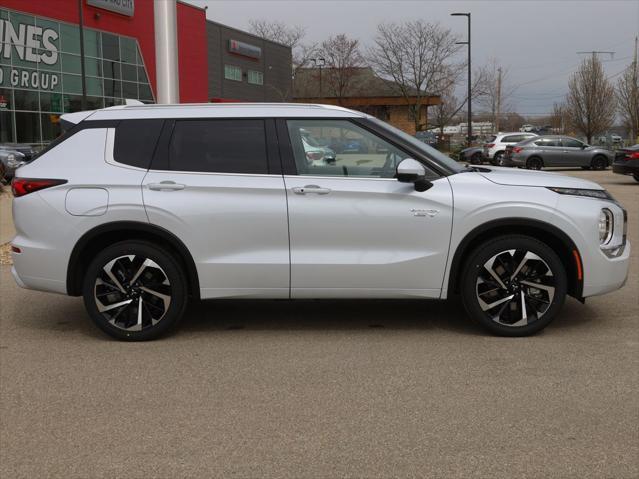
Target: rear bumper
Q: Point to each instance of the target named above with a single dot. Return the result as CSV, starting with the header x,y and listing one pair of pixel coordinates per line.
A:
x,y
626,168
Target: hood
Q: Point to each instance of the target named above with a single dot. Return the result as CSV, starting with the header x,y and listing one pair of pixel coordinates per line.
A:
x,y
518,177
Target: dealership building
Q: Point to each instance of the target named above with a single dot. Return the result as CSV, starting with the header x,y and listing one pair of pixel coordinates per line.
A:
x,y
40,61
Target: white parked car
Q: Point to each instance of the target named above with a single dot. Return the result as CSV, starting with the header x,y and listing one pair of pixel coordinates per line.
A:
x,y
140,208
495,147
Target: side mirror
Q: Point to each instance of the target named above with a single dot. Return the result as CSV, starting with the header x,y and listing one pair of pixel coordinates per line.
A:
x,y
412,171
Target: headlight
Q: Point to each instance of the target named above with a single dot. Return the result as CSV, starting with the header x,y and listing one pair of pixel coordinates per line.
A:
x,y
600,194
612,231
606,226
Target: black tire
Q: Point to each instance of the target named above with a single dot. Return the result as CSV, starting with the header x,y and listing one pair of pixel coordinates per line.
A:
x,y
498,158
150,289
534,163
635,176
540,304
599,163
585,167
476,159
3,180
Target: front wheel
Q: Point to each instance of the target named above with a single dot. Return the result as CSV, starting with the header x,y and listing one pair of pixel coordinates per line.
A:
x,y
476,159
513,285
135,291
599,163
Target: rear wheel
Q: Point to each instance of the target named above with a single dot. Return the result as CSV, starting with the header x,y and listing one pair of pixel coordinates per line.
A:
x,y
513,285
636,176
135,291
499,158
534,163
476,159
599,163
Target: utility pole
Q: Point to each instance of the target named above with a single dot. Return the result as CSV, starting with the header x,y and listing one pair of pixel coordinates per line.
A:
x,y
498,114
82,72
470,85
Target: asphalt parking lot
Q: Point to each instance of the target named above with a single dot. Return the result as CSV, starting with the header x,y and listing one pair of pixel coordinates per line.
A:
x,y
323,389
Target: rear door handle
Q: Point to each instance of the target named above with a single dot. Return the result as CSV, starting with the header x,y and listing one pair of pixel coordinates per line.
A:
x,y
166,186
302,190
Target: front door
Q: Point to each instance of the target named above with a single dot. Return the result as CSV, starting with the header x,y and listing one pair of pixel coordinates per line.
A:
x,y
212,185
574,154
355,231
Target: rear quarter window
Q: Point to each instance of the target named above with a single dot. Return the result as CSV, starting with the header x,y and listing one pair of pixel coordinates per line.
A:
x,y
135,142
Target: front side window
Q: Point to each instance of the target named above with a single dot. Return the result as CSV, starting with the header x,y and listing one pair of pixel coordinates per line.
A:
x,y
571,143
219,146
255,77
231,72
341,148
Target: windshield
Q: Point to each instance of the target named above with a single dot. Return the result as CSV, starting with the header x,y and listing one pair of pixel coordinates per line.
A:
x,y
429,151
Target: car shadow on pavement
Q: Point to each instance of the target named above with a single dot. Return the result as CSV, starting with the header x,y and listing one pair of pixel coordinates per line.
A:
x,y
300,315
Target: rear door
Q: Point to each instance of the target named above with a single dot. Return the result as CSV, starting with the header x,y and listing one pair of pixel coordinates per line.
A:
x,y
217,185
356,231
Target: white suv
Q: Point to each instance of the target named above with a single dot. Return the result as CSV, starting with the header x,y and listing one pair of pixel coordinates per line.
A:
x,y
495,147
139,208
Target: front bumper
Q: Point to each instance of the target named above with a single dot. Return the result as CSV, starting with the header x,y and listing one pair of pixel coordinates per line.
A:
x,y
607,274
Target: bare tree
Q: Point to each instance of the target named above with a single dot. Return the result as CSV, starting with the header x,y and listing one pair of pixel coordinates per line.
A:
x,y
418,57
343,56
559,118
496,91
450,105
289,35
591,99
627,92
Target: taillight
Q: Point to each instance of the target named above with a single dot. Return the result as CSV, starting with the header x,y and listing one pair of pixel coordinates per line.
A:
x,y
314,155
633,156
24,186
517,149
489,145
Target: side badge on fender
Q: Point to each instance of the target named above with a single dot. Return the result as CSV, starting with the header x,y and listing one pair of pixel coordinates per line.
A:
x,y
430,213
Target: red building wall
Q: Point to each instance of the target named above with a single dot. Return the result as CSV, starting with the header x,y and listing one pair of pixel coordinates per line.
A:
x,y
192,58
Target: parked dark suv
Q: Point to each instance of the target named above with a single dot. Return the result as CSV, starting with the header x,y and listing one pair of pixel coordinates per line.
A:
x,y
627,162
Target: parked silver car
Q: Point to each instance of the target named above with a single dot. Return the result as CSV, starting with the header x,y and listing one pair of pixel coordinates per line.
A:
x,y
537,153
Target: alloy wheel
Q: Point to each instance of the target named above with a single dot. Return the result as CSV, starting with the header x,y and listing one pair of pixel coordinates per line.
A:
x,y
515,287
132,292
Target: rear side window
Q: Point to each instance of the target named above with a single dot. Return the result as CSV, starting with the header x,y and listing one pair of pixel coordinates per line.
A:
x,y
135,142
513,138
219,146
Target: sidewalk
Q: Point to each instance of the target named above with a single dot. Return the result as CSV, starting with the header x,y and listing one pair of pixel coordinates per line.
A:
x,y
6,219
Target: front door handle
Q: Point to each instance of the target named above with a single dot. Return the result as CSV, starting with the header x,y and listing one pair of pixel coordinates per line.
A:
x,y
302,190
166,186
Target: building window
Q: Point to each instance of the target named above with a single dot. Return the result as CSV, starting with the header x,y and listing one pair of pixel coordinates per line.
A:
x,y
231,72
255,78
34,92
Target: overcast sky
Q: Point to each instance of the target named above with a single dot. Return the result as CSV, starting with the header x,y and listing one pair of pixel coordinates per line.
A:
x,y
536,40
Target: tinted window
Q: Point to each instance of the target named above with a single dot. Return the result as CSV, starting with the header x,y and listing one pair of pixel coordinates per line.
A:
x,y
571,143
219,146
135,142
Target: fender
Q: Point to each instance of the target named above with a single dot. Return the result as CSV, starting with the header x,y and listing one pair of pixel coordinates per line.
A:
x,y
129,228
563,244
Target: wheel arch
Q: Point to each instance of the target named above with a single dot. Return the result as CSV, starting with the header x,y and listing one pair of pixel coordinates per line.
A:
x,y
101,236
559,241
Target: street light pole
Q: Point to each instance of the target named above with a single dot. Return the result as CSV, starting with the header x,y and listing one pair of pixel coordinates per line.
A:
x,y
319,63
470,110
